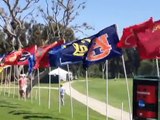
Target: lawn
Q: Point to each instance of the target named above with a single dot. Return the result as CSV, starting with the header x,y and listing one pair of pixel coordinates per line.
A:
x,y
13,108
97,89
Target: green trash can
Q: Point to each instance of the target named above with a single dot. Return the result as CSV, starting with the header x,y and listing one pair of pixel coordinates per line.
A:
x,y
146,94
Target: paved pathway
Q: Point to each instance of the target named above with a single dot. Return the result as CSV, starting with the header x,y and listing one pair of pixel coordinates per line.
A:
x,y
98,106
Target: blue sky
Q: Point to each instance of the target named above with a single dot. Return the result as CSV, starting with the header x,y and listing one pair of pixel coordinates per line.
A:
x,y
123,13
103,13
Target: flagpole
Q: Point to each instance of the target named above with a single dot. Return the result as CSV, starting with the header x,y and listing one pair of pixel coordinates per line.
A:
x,y
9,81
129,101
5,82
70,91
87,95
106,89
31,87
49,90
2,82
122,111
14,83
157,67
39,92
18,82
59,90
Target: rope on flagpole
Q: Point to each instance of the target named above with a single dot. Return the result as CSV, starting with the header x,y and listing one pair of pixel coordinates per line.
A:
x,y
129,101
39,91
106,89
49,90
70,91
157,67
87,95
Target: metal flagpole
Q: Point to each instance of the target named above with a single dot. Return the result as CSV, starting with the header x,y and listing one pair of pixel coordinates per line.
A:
x,y
5,81
49,90
87,95
157,67
106,89
70,91
9,81
14,82
59,90
2,81
129,101
17,71
31,87
122,112
39,91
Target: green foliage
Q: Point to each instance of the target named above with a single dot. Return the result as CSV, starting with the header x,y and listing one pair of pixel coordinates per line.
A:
x,y
146,68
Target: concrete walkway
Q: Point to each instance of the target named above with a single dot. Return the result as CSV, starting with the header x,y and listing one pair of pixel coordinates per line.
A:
x,y
98,106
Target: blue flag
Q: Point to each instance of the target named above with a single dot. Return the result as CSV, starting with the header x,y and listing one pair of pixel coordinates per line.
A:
x,y
69,53
103,46
54,56
31,63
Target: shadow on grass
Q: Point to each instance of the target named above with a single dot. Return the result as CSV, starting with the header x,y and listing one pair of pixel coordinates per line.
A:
x,y
16,109
8,104
28,115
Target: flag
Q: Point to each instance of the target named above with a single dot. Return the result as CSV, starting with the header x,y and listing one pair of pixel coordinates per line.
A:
x,y
12,57
2,59
26,53
128,38
69,53
149,41
41,56
31,63
54,56
103,46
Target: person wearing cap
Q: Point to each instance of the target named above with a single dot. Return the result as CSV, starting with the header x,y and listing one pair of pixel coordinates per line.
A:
x,y
22,85
62,93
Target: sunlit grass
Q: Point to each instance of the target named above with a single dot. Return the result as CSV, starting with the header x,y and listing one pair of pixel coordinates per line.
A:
x,y
117,89
14,108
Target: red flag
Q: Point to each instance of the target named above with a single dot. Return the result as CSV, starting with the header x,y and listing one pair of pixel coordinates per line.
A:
x,y
42,60
12,58
149,40
128,38
26,52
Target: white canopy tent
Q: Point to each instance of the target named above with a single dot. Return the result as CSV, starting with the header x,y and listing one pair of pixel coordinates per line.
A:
x,y
61,73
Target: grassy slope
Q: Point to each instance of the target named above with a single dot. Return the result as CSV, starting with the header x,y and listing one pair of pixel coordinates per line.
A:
x,y
16,109
97,89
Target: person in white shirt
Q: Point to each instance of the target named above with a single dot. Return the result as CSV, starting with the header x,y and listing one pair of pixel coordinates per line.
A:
x,y
22,85
62,93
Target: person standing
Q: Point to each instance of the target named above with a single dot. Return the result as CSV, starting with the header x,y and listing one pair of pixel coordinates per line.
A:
x,y
22,85
62,94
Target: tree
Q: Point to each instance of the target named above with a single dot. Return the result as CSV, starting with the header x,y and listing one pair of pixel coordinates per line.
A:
x,y
146,68
133,60
59,15
12,20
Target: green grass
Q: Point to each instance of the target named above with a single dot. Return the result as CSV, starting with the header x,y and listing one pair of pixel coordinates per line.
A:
x,y
13,108
97,89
